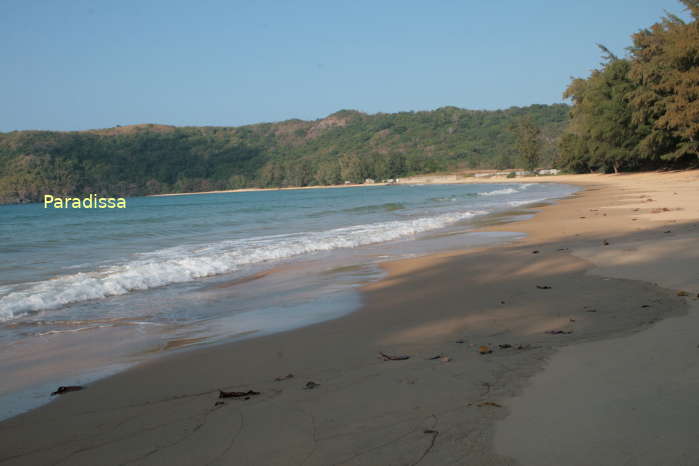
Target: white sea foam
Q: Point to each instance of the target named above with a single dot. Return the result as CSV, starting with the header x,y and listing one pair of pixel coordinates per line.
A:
x,y
183,264
511,190
74,330
526,201
499,192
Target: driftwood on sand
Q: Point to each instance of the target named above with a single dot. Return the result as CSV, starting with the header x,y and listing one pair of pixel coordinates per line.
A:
x,y
388,357
222,394
68,388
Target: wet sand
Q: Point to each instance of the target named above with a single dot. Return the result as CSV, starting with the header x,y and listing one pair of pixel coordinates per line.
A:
x,y
598,274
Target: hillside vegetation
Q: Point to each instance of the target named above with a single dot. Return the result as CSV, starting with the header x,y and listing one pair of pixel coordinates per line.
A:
x,y
345,146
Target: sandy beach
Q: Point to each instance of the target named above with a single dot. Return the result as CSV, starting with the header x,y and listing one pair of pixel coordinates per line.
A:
x,y
575,345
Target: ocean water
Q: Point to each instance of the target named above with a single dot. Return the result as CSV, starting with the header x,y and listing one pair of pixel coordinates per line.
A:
x,y
121,285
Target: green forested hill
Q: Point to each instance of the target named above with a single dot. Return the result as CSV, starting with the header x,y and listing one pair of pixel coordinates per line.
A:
x,y
347,145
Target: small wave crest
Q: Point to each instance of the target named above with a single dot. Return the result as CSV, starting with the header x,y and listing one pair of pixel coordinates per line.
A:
x,y
365,209
183,264
499,192
452,198
388,207
509,190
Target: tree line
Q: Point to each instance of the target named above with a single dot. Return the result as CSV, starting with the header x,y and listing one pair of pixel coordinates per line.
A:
x,y
639,111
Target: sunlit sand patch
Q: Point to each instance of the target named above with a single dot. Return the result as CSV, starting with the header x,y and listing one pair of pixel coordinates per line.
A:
x,y
517,321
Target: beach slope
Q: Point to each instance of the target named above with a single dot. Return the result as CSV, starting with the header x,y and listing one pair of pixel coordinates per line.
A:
x,y
476,325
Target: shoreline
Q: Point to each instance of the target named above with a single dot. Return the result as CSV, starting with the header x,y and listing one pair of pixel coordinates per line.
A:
x,y
252,190
71,368
482,297
33,396
416,179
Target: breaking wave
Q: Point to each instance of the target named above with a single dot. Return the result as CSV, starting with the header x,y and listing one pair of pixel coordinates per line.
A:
x,y
499,192
187,263
509,190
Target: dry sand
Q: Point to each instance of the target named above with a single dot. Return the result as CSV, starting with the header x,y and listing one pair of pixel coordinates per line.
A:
x,y
630,400
591,399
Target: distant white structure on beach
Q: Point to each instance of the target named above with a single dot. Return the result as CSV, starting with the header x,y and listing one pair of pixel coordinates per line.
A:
x,y
483,175
369,181
523,173
550,171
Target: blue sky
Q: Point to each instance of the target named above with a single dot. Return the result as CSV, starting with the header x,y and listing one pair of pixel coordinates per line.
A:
x,y
68,65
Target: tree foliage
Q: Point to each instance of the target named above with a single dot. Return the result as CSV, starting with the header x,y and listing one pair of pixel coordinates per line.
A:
x,y
639,111
528,142
601,135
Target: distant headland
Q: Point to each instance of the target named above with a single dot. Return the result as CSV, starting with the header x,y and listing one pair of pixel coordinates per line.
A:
x,y
347,146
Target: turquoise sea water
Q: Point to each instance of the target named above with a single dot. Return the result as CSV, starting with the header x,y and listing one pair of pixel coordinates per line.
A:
x,y
169,272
